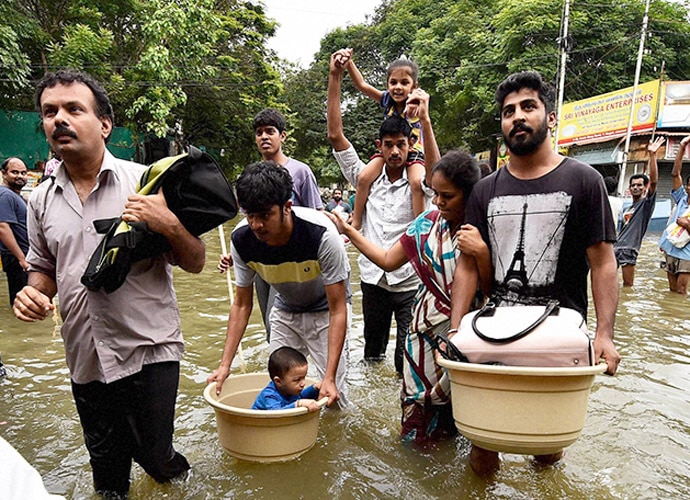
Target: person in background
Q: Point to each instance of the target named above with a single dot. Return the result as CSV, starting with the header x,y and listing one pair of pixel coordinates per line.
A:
x,y
485,169
287,368
547,223
51,165
677,259
338,206
615,201
124,360
637,216
270,132
14,241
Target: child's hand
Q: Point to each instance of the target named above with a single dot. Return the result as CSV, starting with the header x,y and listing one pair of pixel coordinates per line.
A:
x,y
309,404
341,58
317,385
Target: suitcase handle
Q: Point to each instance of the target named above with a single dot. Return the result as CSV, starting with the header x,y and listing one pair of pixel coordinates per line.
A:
x,y
490,308
451,352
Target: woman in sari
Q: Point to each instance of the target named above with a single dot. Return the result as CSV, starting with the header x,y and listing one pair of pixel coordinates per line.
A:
x,y
432,244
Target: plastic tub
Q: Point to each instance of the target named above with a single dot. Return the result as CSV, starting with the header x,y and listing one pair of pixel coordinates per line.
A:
x,y
515,409
260,435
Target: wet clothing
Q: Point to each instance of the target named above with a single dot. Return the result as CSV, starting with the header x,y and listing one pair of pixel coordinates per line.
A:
x,y
13,213
675,266
305,193
681,199
430,245
298,271
270,398
131,418
388,212
379,306
107,336
635,221
123,348
538,232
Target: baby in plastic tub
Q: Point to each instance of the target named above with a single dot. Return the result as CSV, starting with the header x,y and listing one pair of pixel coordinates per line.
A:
x,y
287,368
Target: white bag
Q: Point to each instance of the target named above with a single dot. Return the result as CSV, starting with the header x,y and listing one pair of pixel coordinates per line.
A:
x,y
677,235
525,336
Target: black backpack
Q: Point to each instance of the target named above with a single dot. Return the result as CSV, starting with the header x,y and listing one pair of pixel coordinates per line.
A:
x,y
196,191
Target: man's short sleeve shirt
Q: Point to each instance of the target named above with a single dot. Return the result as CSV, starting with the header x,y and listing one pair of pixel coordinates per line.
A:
x,y
107,336
299,271
539,230
305,190
13,212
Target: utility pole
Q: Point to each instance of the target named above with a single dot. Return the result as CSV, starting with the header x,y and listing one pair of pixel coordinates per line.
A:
x,y
638,69
564,44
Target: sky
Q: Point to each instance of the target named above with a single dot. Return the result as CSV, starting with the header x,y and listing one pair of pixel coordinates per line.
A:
x,y
303,23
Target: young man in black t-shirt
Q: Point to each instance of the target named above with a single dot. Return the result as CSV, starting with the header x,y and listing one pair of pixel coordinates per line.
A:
x,y
546,222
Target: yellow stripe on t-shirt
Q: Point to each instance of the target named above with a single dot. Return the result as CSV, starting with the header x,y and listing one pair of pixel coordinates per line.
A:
x,y
288,272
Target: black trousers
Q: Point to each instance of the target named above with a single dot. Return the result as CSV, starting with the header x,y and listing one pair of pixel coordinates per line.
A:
x,y
16,276
131,419
378,307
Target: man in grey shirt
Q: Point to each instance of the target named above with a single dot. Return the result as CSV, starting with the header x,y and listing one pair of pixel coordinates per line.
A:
x,y
637,216
123,349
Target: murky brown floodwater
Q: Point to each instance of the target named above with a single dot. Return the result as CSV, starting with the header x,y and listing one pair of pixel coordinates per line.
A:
x,y
634,446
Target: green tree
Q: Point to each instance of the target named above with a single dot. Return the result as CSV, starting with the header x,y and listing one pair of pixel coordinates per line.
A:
x,y
198,65
464,49
219,115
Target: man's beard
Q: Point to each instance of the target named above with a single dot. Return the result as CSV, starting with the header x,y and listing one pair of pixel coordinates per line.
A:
x,y
526,144
17,185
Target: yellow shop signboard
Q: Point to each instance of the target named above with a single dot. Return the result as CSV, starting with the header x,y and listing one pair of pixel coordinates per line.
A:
x,y
606,116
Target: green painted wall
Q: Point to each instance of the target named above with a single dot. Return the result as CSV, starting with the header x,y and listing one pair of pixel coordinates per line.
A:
x,y
21,135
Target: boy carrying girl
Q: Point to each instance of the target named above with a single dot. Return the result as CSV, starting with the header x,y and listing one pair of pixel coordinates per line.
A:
x,y
401,79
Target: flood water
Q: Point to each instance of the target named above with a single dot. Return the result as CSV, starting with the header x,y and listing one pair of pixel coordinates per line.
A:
x,y
634,445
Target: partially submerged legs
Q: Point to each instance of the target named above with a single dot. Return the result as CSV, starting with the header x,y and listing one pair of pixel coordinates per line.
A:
x,y
484,462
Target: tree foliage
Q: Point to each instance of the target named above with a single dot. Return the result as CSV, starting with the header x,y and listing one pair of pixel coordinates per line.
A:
x,y
464,49
202,66
199,66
